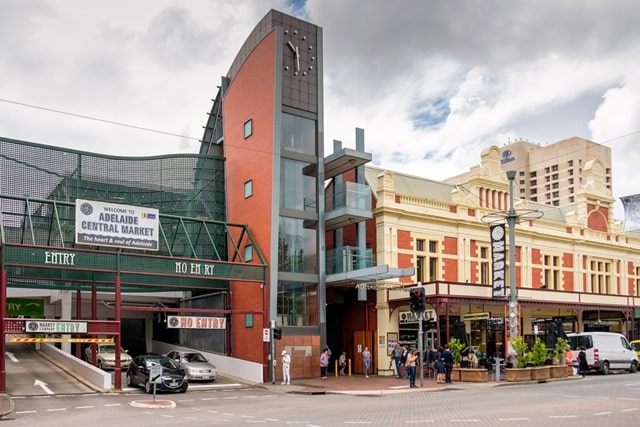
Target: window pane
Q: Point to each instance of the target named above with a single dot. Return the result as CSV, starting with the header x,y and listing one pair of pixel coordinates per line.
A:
x,y
297,304
295,187
248,128
296,247
298,134
248,189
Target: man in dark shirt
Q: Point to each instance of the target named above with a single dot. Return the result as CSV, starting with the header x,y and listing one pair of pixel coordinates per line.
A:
x,y
447,357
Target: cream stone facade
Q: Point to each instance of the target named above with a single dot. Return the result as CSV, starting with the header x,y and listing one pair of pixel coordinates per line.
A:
x,y
574,265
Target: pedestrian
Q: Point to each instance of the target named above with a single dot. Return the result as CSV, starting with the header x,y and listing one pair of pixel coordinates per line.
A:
x,y
324,363
366,358
286,361
447,357
412,362
583,365
439,367
396,356
403,361
429,359
342,361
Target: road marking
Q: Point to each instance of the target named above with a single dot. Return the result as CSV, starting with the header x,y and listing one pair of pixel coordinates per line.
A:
x,y
467,420
11,356
85,407
603,413
513,419
43,385
419,422
25,412
56,409
562,416
630,410
113,404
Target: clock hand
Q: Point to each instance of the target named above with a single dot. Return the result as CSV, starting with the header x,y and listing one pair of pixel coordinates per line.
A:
x,y
291,46
297,59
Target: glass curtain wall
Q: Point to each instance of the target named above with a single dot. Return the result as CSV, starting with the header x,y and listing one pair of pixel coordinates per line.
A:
x,y
297,303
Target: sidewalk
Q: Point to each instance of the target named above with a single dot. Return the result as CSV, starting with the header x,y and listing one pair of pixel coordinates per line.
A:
x,y
374,384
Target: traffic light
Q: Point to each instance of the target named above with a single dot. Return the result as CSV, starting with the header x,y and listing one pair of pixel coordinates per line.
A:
x,y
277,333
416,300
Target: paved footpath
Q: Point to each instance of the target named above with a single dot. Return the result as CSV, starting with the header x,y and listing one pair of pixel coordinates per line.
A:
x,y
374,384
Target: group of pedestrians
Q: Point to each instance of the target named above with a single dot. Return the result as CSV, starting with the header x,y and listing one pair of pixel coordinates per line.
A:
x,y
439,362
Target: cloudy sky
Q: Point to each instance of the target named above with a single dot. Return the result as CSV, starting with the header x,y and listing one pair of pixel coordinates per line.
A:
x,y
431,82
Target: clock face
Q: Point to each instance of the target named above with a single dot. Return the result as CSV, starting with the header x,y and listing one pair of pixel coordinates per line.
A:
x,y
299,57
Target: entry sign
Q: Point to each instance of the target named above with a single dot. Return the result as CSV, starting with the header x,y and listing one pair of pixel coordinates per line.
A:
x,y
266,334
155,374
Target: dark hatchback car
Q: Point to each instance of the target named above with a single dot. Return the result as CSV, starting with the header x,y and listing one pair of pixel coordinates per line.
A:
x,y
173,379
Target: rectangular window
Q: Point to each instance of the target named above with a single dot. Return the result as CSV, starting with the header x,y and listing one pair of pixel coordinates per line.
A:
x,y
433,246
296,247
637,293
420,245
433,269
551,271
248,188
248,253
248,128
298,134
600,276
297,304
484,265
420,269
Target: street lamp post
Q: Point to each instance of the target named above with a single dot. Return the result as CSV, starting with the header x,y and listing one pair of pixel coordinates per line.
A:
x,y
511,218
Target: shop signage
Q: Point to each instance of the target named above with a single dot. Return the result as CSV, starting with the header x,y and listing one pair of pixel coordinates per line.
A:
x,y
409,317
196,322
476,316
115,225
55,327
498,251
25,307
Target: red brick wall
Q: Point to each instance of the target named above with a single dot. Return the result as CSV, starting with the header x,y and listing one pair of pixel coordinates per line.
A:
x,y
251,96
404,240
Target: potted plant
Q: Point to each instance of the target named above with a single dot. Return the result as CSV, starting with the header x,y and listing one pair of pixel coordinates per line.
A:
x,y
456,348
558,369
539,355
520,371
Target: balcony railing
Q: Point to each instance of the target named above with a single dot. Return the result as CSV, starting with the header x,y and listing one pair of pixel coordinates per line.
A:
x,y
348,258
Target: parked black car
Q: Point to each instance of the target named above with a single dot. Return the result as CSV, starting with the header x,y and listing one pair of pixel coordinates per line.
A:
x,y
173,378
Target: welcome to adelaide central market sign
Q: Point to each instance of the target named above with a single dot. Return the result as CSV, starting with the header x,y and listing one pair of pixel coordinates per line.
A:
x,y
116,225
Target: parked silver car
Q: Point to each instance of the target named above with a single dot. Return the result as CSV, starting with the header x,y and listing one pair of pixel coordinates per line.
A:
x,y
194,365
106,356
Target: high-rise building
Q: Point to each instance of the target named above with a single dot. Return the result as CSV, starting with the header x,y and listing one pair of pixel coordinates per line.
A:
x,y
550,174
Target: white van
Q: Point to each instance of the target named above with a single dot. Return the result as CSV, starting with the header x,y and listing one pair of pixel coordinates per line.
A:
x,y
605,351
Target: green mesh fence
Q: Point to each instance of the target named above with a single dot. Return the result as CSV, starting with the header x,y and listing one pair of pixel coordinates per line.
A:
x,y
38,189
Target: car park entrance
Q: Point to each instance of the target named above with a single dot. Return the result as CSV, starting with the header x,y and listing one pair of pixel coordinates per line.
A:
x,y
78,271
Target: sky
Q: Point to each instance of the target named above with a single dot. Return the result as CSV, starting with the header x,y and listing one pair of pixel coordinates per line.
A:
x,y
432,83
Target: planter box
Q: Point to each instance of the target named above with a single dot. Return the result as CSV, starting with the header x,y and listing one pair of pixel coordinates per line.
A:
x,y
518,374
558,371
455,374
540,373
474,375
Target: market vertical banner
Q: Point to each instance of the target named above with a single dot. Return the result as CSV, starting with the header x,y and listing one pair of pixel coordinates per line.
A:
x,y
498,252
116,225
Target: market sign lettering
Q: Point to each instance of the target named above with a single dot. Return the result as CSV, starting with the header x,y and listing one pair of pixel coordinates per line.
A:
x,y
196,322
59,258
55,327
115,225
194,268
498,249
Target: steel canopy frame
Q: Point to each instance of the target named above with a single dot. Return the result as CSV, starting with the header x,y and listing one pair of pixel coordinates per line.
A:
x,y
22,254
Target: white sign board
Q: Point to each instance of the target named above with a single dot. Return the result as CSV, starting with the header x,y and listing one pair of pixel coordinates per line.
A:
x,y
155,374
120,226
266,334
196,322
55,327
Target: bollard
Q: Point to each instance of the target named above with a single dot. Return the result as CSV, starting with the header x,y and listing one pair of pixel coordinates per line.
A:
x,y
497,369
